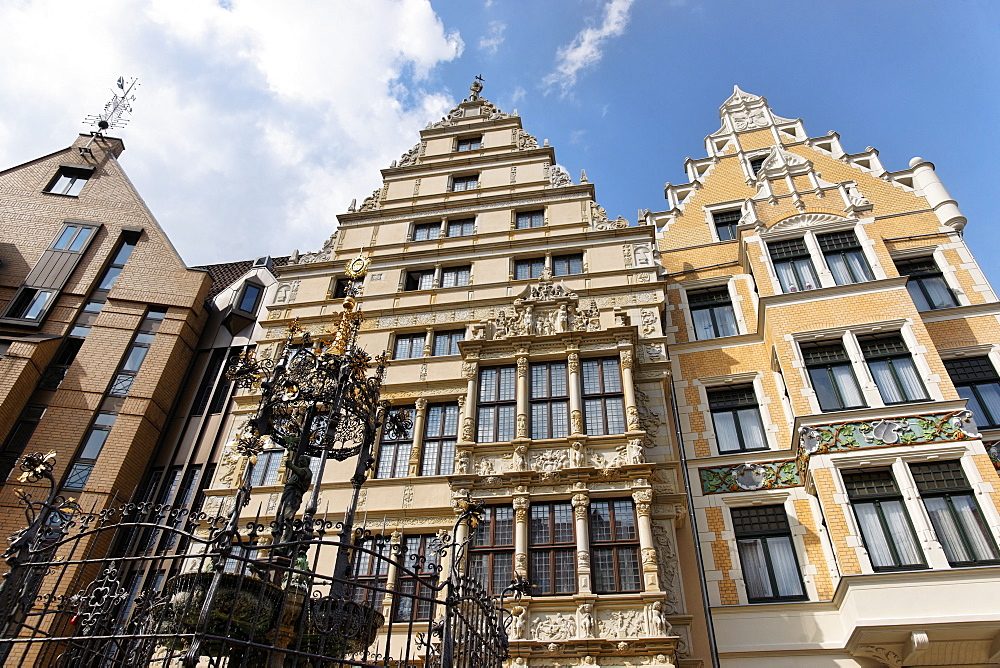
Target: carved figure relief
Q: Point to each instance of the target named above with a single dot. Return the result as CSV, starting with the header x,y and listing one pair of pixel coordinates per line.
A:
x,y
577,455
520,622
647,322
549,461
643,255
545,309
559,177
553,627
585,612
659,624
622,624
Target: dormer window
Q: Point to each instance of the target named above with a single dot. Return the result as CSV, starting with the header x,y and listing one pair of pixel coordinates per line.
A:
x,y
69,181
250,298
469,144
756,164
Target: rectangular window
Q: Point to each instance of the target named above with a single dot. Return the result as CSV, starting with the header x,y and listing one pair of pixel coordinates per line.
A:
x,y
977,381
265,471
343,286
492,555
549,400
603,399
712,313
954,513
725,223
73,238
414,581
136,353
567,265
614,547
30,303
469,144
793,265
426,231
440,436
756,164
844,257
736,418
69,181
370,571
926,284
461,183
831,375
497,404
885,526
453,277
250,298
17,439
525,219
532,268
114,270
409,345
461,228
553,549
419,280
394,451
446,343
767,557
892,368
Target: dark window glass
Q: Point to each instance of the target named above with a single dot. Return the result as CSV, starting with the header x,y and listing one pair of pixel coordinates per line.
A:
x,y
553,549
885,526
725,224
926,284
460,183
767,556
440,436
497,404
426,231
977,381
756,164
532,268
614,547
394,451
452,277
470,144
370,570
68,181
831,375
201,399
793,265
30,303
549,400
603,400
566,265
461,228
492,555
736,418
345,285
954,513
526,219
416,579
446,343
409,345
419,280
712,313
892,368
18,438
265,471
250,297
844,257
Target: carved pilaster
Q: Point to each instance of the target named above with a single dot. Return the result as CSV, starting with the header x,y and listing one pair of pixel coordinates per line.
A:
x,y
580,503
521,505
574,363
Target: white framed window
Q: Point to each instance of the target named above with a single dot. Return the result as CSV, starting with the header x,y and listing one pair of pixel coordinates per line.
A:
x,y
722,219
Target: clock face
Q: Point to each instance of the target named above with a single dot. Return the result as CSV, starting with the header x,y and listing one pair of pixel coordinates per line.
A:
x,y
357,266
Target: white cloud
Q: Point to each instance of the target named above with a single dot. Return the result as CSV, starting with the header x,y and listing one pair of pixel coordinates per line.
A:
x,y
256,122
518,95
494,38
586,49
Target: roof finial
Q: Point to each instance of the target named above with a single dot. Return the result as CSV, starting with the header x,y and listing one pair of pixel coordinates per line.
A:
x,y
476,87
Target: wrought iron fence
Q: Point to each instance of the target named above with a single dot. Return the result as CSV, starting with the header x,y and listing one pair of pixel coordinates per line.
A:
x,y
81,591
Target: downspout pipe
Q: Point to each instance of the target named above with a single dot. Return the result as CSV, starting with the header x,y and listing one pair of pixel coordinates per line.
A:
x,y
692,517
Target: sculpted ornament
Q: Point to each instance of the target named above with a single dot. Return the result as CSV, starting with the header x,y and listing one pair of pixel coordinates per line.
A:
x,y
522,425
520,458
580,503
463,462
577,455
468,429
522,366
574,363
649,556
559,177
632,413
583,559
520,622
647,322
635,452
659,624
623,624
521,563
524,141
585,612
371,202
521,505
553,627
576,417
549,461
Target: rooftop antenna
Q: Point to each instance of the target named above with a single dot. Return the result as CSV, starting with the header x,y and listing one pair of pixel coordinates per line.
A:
x,y
117,112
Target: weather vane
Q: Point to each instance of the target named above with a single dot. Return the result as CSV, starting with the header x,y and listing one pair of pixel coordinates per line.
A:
x,y
116,112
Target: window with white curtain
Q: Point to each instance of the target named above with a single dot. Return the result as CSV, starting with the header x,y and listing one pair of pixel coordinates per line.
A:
x,y
767,556
712,313
926,284
736,418
885,526
832,376
954,513
844,257
793,265
892,368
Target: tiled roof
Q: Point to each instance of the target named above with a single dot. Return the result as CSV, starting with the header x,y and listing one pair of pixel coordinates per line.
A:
x,y
225,274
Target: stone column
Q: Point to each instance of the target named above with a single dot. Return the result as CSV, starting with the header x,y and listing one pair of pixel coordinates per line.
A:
x,y
395,539
575,396
416,452
581,501
467,434
521,505
428,341
522,393
627,360
643,498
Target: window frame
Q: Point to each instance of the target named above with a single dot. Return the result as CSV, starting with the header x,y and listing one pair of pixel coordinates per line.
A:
x,y
415,342
792,259
459,276
603,397
143,339
918,279
568,261
525,220
437,452
616,545
544,402
535,268
736,410
269,464
720,221
413,280
711,307
893,372
470,143
804,346
463,222
418,228
491,550
554,549
73,174
979,408
417,555
450,338
876,500
468,182
241,297
400,446
782,530
504,411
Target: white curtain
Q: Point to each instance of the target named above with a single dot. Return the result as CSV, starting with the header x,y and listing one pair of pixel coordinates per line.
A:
x,y
875,539
754,568
753,429
841,273
847,385
886,385
725,431
786,573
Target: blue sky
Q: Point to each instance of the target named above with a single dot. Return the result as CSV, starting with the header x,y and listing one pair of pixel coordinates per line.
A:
x,y
257,122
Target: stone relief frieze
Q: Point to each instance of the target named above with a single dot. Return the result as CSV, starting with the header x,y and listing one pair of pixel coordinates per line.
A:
x,y
557,626
622,624
667,568
544,309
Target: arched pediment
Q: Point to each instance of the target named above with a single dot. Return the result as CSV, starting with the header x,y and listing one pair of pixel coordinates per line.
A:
x,y
805,220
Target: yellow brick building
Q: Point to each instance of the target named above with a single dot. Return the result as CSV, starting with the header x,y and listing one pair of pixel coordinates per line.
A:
x,y
833,361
